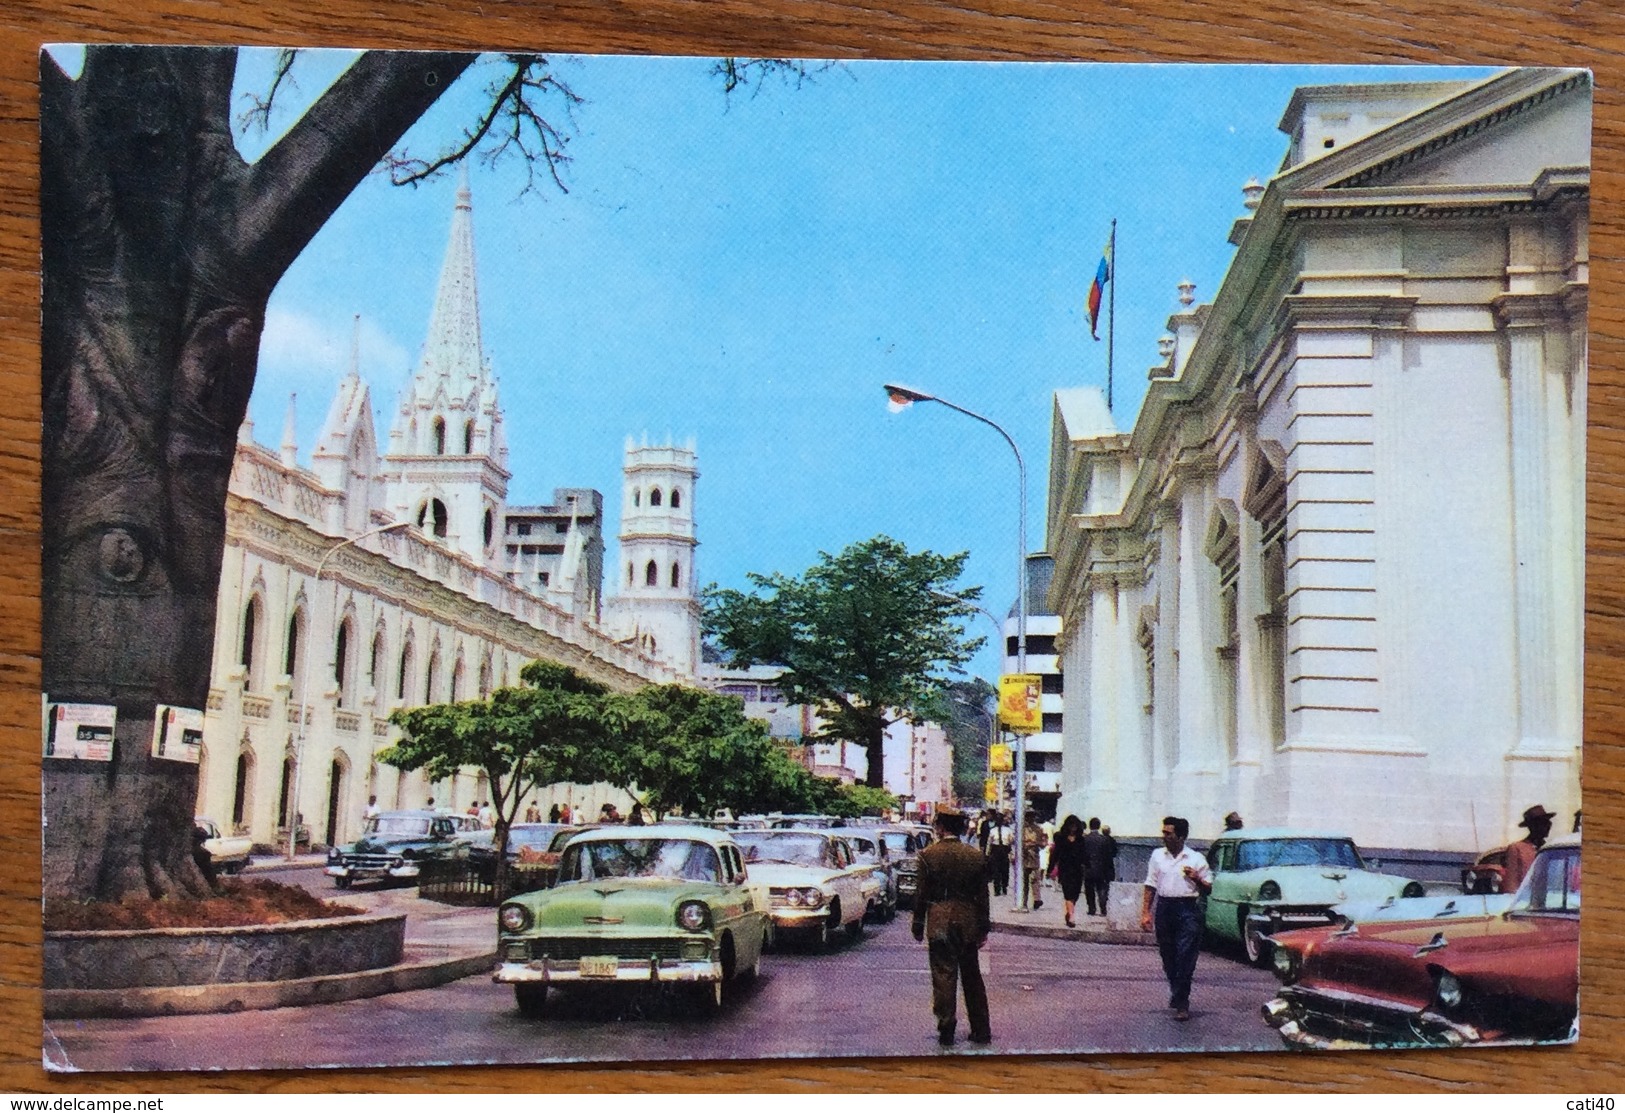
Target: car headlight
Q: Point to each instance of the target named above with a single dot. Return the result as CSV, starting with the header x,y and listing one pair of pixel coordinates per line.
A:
x,y
693,915
1285,961
514,917
1269,891
1413,889
1448,990
812,898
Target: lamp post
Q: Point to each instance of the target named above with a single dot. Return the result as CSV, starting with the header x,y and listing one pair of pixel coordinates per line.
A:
x,y
304,682
901,396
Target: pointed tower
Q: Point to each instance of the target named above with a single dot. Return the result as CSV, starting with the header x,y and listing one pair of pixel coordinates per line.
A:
x,y
448,459
346,456
657,600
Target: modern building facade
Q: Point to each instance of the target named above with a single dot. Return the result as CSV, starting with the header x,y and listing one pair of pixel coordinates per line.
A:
x,y
1332,576
374,581
1043,752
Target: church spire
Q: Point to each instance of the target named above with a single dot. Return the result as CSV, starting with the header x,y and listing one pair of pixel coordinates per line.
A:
x,y
290,435
452,354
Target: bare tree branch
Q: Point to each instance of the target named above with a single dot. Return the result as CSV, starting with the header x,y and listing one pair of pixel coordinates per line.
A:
x,y
753,73
512,124
258,113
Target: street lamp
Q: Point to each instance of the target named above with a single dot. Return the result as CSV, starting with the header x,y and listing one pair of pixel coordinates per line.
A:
x,y
901,397
304,680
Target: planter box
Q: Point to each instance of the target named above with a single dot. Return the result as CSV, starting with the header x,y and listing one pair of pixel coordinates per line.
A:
x,y
210,956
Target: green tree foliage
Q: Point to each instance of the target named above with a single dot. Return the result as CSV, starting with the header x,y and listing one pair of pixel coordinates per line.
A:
x,y
866,636
855,800
553,728
688,750
965,710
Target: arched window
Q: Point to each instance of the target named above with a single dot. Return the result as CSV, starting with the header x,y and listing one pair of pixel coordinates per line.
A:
x,y
374,661
282,811
654,496
432,517
651,574
241,800
676,574
341,662
405,674
490,526
251,622
676,498
429,686
637,497
439,437
294,659
457,682
631,576
485,679
468,439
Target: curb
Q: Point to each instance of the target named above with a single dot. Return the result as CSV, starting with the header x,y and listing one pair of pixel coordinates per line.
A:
x,y
1110,936
326,989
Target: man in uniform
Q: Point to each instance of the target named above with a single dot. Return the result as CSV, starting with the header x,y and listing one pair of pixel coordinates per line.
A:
x,y
951,917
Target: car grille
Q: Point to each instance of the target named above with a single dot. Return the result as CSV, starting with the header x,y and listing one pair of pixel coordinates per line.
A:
x,y
566,948
369,861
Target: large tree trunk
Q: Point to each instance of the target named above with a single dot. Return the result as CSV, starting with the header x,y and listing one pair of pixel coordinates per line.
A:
x,y
161,247
875,744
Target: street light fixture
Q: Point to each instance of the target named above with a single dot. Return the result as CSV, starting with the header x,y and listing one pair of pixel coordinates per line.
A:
x,y
901,397
304,680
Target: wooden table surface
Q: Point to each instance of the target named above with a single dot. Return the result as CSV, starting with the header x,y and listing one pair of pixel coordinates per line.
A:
x,y
1380,31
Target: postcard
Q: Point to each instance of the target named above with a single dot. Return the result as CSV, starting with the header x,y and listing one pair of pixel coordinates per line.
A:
x,y
558,558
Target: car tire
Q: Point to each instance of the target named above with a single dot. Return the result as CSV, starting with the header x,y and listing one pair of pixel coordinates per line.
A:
x,y
705,999
854,930
341,882
531,1000
1255,948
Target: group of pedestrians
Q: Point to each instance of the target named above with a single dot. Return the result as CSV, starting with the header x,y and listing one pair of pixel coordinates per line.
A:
x,y
1083,861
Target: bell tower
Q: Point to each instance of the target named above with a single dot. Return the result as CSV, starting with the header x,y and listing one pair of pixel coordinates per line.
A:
x,y
657,600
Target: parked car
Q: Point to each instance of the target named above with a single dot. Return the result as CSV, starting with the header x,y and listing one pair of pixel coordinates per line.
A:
x,y
1272,879
815,886
228,853
1487,872
1504,977
870,852
656,905
527,839
396,844
903,845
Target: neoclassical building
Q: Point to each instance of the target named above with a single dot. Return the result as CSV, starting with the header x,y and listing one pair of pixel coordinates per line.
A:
x,y
1332,577
379,579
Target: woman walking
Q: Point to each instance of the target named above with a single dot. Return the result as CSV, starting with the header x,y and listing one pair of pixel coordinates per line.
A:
x,y
1066,864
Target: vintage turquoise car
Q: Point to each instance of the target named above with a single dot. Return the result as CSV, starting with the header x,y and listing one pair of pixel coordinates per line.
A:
x,y
1272,879
651,906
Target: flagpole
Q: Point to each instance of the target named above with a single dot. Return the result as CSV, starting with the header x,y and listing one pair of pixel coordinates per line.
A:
x,y
1111,314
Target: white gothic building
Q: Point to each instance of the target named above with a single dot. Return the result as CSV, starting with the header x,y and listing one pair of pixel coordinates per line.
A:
x,y
325,606
1332,576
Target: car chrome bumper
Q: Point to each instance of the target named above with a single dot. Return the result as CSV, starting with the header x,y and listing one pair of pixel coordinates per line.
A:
x,y
355,873
794,919
1362,1023
568,972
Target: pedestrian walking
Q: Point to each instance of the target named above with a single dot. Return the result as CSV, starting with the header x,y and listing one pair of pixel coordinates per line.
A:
x,y
1232,822
1521,854
371,810
533,814
1033,842
553,814
998,854
487,815
1066,864
1099,850
636,819
951,918
1175,878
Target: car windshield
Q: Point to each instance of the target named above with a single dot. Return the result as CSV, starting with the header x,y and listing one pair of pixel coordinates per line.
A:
x,y
1259,854
536,837
398,825
677,859
787,847
897,842
864,849
1553,884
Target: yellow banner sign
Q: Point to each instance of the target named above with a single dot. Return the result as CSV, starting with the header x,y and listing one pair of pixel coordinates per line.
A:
x,y
990,790
998,758
1020,700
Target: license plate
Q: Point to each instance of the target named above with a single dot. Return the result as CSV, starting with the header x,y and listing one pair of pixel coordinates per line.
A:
x,y
599,966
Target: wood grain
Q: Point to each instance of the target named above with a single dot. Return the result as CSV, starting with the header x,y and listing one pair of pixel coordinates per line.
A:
x,y
1570,34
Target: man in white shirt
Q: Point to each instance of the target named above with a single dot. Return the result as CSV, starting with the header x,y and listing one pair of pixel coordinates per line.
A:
x,y
1176,877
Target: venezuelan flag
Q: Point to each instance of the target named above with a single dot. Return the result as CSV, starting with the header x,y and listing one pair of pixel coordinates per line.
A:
x,y
1103,275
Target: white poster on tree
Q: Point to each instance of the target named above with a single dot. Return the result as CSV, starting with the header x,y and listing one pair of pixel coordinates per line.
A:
x,y
82,731
177,733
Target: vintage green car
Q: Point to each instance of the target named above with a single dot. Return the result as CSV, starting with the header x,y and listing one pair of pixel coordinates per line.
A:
x,y
663,905
1272,879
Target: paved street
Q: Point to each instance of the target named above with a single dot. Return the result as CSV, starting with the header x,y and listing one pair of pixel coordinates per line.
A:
x,y
867,998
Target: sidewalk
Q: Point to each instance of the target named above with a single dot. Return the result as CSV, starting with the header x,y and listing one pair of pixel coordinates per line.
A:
x,y
1121,926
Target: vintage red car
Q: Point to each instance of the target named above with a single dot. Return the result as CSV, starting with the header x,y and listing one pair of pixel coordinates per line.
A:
x,y
1447,980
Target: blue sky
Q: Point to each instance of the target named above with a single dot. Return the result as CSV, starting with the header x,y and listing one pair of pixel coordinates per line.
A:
x,y
750,271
